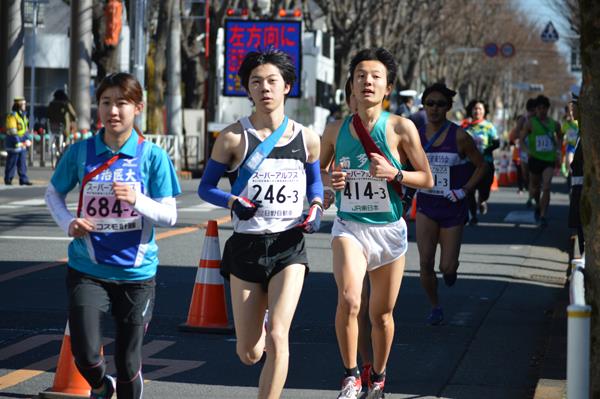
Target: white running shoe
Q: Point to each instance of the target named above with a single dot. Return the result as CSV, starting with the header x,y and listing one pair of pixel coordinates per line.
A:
x,y
351,387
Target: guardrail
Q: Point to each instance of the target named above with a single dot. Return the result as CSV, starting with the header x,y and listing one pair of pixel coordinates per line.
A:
x,y
578,334
186,152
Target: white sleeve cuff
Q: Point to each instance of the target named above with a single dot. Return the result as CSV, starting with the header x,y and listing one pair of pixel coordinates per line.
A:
x,y
161,211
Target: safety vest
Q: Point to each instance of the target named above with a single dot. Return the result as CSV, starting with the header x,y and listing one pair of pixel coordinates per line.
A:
x,y
14,120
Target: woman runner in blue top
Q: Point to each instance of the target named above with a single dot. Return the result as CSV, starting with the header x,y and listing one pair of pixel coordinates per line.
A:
x,y
369,234
126,187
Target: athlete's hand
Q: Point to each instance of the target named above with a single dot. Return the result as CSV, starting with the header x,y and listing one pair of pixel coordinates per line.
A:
x,y
455,195
124,192
381,168
312,220
338,178
328,197
80,227
244,208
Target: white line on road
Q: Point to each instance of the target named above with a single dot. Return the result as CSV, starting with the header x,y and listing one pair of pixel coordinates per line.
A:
x,y
37,238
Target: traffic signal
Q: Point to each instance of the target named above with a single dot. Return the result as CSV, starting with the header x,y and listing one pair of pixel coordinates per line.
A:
x,y
237,12
295,13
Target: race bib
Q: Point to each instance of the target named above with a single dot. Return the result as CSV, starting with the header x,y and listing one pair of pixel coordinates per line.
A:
x,y
364,193
544,143
441,180
279,193
109,214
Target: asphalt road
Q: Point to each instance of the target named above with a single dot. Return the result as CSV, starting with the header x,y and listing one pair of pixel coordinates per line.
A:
x,y
491,346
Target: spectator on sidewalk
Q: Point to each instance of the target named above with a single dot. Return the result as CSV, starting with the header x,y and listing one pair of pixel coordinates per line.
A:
x,y
16,142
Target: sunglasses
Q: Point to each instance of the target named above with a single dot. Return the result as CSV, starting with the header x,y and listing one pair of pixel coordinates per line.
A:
x,y
440,104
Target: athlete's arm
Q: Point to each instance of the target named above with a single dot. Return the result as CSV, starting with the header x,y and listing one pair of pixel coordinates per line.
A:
x,y
57,206
466,146
525,130
410,146
223,156
337,178
314,185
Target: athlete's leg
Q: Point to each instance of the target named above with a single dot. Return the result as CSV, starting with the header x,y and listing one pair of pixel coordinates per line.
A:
x,y
386,281
450,241
534,187
427,240
349,268
128,360
248,302
545,197
364,327
284,292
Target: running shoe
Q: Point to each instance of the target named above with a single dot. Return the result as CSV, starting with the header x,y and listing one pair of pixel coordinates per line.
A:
x,y
351,387
529,202
376,390
364,374
110,386
436,316
483,208
473,221
450,278
543,222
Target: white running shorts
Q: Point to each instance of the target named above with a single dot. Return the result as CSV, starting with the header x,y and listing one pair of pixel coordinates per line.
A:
x,y
380,243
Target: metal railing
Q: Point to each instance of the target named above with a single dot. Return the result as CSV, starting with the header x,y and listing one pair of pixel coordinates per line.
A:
x,y
185,154
578,334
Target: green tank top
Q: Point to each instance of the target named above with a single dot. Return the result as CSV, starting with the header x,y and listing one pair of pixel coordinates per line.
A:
x,y
365,199
542,140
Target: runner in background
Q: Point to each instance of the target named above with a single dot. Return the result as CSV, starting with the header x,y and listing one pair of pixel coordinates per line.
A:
x,y
127,186
541,136
265,259
529,112
570,129
369,234
443,210
485,137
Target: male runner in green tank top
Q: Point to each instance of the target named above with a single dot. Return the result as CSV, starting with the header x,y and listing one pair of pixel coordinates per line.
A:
x,y
541,136
369,234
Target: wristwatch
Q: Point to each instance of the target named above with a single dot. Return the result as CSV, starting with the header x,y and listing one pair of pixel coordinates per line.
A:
x,y
399,176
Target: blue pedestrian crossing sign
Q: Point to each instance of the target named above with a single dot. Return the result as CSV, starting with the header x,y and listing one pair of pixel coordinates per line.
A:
x,y
549,34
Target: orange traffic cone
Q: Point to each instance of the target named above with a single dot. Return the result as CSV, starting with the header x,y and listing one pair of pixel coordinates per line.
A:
x,y
413,208
208,309
494,186
68,382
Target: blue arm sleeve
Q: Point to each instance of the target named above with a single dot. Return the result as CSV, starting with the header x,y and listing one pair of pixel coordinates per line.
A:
x,y
207,190
314,186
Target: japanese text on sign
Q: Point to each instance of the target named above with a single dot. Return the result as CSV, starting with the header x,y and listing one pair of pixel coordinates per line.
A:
x,y
243,36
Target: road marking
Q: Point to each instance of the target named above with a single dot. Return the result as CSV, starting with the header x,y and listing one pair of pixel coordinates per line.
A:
x,y
37,238
168,367
30,269
186,230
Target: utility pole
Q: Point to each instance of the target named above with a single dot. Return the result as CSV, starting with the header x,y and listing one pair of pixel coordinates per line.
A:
x,y
137,13
13,46
174,111
81,61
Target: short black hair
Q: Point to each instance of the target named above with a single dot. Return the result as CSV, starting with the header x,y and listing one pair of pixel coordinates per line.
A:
x,y
441,88
348,90
376,54
531,104
542,100
272,56
472,104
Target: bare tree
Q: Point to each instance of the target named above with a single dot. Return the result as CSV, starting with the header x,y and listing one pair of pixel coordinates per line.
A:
x,y
590,135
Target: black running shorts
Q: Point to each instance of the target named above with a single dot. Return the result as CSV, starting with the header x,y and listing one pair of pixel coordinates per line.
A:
x,y
130,302
537,166
257,258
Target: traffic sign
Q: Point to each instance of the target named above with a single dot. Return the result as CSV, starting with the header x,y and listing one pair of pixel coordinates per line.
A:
x,y
491,49
549,34
507,50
